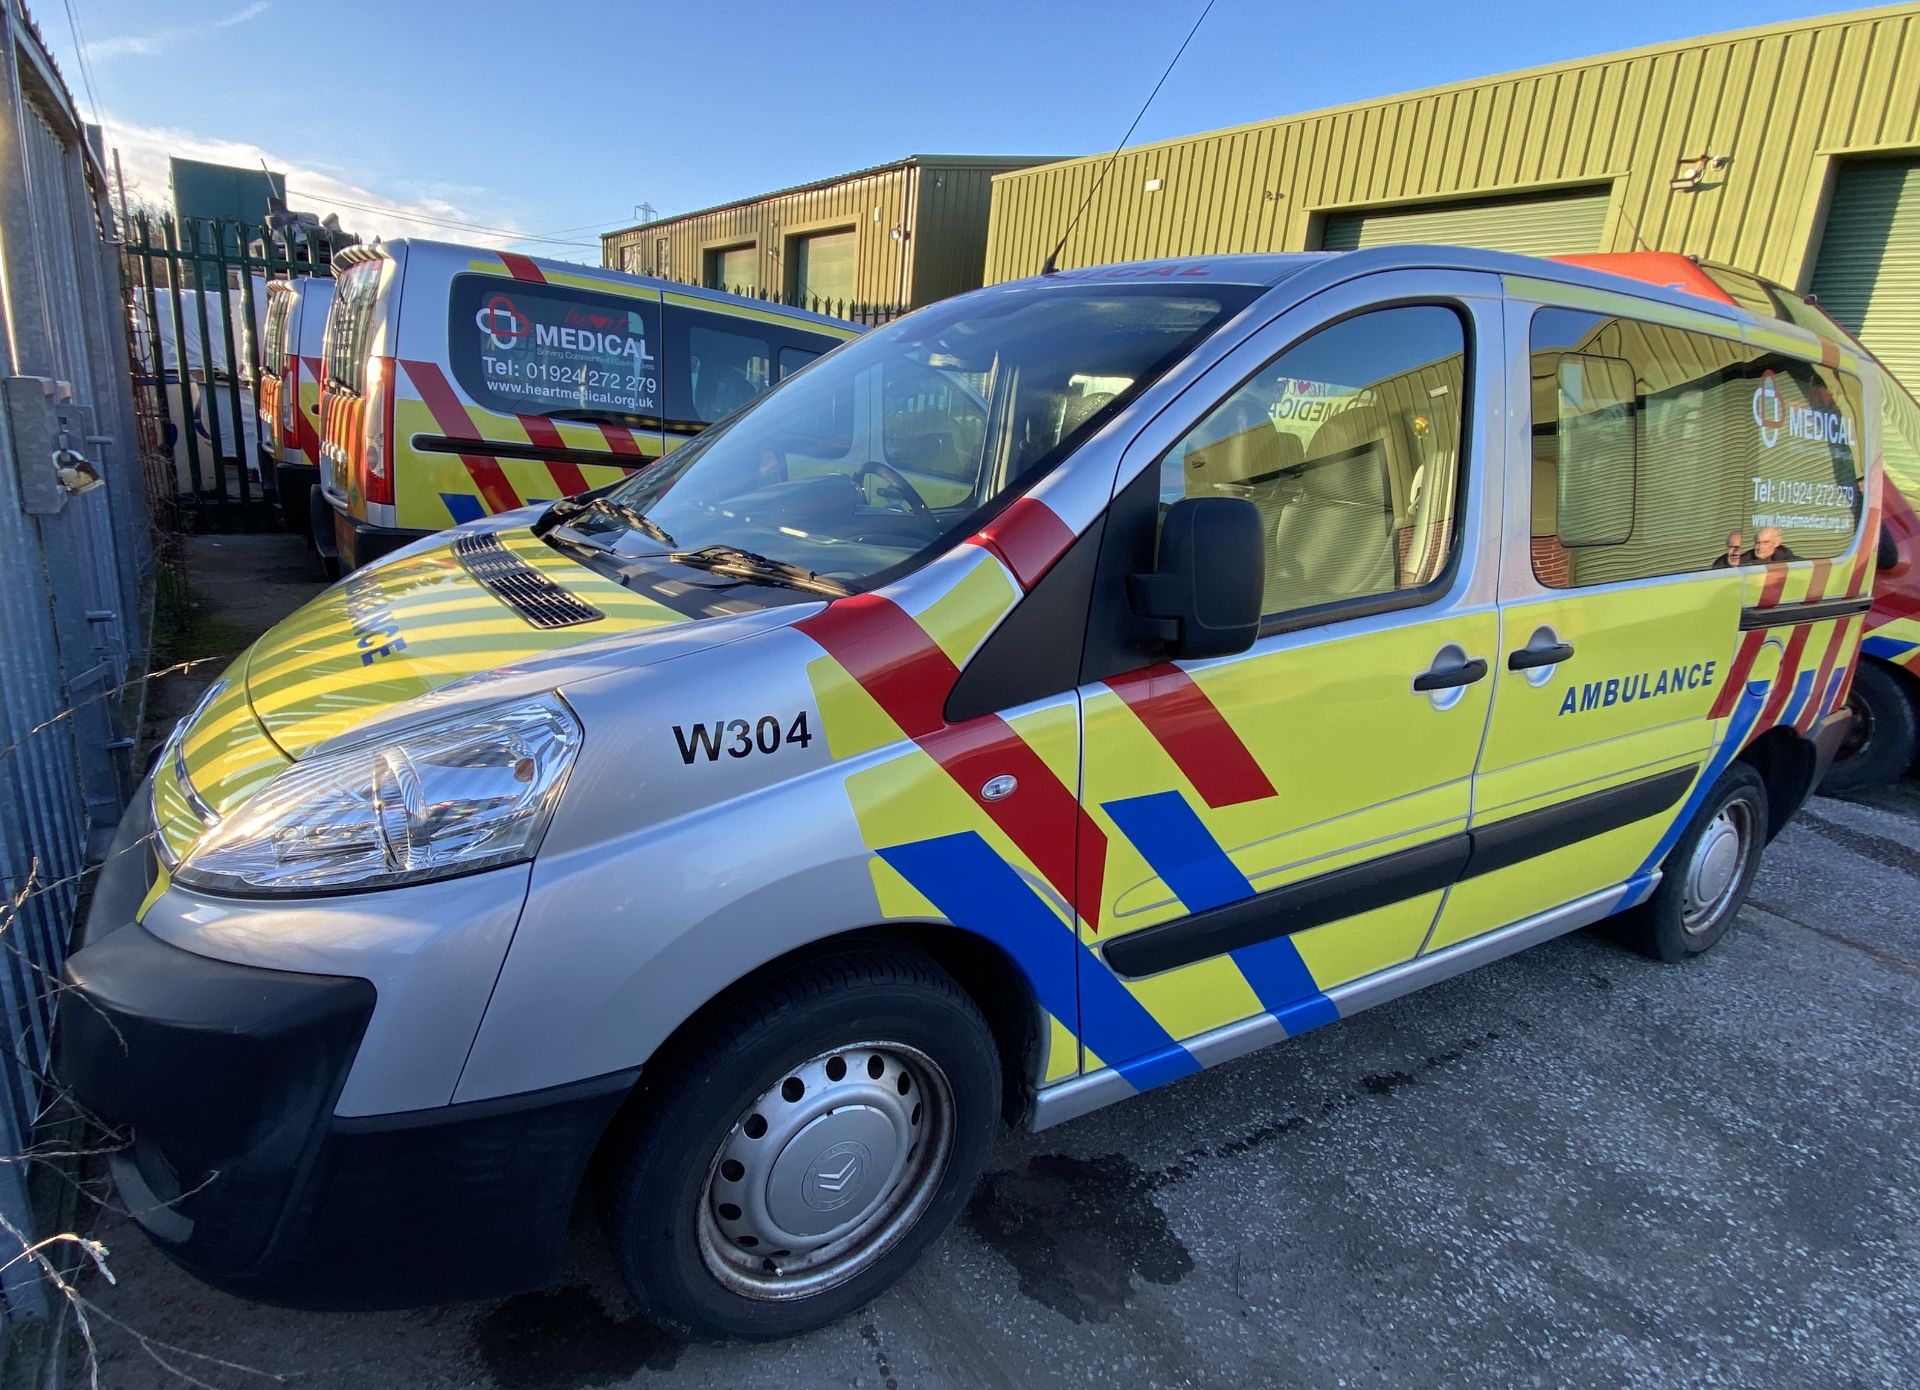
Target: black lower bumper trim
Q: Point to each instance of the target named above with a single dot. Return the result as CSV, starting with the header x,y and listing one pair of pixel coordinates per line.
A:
x,y
221,1081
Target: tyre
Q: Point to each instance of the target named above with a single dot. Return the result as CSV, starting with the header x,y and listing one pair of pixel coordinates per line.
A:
x,y
1880,744
791,1159
1704,881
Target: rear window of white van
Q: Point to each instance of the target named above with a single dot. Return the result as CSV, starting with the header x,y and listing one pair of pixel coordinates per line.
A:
x,y
532,349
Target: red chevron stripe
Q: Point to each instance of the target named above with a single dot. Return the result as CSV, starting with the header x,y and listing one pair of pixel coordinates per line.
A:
x,y
566,475
1028,537
619,440
1770,590
909,677
1817,584
1736,682
1836,641
522,267
451,417
1202,744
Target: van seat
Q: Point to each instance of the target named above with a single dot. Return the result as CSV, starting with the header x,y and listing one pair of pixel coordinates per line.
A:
x,y
1336,537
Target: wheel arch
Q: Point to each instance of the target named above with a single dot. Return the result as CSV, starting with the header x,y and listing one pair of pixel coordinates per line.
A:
x,y
1787,763
982,967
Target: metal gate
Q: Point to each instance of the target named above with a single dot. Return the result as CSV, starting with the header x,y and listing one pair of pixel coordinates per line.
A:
x,y
199,303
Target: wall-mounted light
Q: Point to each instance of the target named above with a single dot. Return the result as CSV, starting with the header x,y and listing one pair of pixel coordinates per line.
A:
x,y
1691,174
1155,185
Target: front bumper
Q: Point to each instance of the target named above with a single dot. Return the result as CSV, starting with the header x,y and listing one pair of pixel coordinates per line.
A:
x,y
222,1080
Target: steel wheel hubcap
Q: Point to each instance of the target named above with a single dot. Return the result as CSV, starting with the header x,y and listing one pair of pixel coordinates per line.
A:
x,y
1715,869
826,1170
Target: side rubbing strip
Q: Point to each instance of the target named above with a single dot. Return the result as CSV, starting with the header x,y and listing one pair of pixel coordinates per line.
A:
x,y
1330,897
1532,833
1788,614
1293,907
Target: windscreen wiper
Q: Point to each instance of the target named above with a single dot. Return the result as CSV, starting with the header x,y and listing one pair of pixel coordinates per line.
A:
x,y
724,559
634,517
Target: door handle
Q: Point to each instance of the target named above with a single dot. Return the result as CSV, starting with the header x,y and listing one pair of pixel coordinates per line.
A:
x,y
1447,677
1532,658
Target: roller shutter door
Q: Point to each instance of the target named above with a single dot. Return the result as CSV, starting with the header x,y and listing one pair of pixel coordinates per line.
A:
x,y
1867,274
1566,224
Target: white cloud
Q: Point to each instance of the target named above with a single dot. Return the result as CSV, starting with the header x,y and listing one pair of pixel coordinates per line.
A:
x,y
409,210
167,36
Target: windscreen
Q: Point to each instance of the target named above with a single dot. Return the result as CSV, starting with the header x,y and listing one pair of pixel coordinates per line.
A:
x,y
890,448
531,349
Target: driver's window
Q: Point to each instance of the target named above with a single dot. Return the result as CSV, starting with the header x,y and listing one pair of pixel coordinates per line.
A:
x,y
1349,445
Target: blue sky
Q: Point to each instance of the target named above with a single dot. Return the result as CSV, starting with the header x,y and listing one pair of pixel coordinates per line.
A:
x,y
552,119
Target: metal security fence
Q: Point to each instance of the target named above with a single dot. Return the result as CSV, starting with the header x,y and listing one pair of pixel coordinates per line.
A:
x,y
199,307
75,561
853,310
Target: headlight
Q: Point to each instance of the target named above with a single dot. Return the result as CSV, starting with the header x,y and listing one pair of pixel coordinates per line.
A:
x,y
470,793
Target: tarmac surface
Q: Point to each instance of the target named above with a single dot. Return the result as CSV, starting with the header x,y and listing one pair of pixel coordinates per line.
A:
x,y
1575,1167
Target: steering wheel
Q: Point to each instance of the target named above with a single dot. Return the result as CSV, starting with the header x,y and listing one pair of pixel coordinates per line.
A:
x,y
891,476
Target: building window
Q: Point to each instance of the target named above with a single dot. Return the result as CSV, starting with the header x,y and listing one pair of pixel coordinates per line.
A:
x,y
735,269
820,266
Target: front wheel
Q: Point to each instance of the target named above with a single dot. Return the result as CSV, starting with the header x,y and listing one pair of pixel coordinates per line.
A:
x,y
791,1159
1704,881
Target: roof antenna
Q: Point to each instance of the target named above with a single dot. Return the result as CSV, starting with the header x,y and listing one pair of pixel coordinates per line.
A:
x,y
1048,267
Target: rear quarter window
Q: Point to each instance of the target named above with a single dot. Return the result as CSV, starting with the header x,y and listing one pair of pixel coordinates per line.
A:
x,y
532,349
717,362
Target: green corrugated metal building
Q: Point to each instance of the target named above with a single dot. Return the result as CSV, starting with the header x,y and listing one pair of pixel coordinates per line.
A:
x,y
908,232
1792,150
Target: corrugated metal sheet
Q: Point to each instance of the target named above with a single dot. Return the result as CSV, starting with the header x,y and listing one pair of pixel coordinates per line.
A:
x,y
1868,271
1558,225
1780,103
937,204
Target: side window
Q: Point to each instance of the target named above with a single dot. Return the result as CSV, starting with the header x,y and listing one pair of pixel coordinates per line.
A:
x,y
1661,451
792,359
716,363
933,426
1349,443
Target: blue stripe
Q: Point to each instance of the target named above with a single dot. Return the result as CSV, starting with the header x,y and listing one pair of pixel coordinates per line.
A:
x,y
1802,688
1886,648
975,888
463,507
1178,847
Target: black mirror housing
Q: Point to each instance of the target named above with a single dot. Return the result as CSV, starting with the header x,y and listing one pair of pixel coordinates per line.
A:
x,y
1888,555
1203,597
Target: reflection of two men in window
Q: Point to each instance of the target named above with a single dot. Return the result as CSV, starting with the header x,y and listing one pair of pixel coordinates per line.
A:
x,y
1768,549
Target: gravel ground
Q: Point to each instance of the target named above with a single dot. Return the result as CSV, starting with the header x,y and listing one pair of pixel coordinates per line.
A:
x,y
1575,1167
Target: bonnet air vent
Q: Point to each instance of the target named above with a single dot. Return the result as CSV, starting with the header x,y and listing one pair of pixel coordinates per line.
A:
x,y
519,585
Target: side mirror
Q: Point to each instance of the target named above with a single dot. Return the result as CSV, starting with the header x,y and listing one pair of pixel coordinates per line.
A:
x,y
1203,597
1889,552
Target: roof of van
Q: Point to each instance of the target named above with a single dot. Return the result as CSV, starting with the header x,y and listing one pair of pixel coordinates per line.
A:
x,y
1705,289
524,267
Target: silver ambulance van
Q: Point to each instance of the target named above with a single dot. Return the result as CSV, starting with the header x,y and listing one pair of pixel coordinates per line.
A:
x,y
1072,685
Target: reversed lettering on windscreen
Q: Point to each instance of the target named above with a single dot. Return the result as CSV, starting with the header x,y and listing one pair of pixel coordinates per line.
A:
x,y
541,351
1640,685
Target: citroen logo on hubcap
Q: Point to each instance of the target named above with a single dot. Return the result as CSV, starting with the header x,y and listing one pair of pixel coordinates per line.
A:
x,y
835,1177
